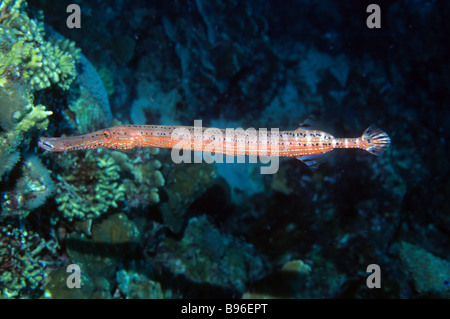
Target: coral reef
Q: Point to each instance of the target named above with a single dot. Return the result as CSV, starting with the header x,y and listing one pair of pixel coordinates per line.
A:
x,y
431,274
153,104
88,187
95,183
142,188
143,227
187,182
112,239
28,55
98,256
31,190
133,285
13,104
92,287
284,283
29,61
25,261
88,109
19,115
205,255
213,57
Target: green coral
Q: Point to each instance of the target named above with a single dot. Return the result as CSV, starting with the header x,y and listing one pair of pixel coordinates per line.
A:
x,y
29,61
31,190
142,189
9,156
88,187
18,111
134,285
91,288
90,184
27,54
24,260
100,255
31,117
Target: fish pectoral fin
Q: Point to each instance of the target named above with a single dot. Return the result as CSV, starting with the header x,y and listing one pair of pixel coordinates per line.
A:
x,y
314,161
310,160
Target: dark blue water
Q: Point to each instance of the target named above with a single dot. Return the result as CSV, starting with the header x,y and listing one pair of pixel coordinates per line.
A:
x,y
140,226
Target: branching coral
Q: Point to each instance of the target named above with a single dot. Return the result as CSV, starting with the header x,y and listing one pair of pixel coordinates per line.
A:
x,y
24,260
18,111
142,189
29,61
26,54
88,187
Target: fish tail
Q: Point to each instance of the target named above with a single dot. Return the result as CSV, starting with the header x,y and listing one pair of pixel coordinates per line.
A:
x,y
375,141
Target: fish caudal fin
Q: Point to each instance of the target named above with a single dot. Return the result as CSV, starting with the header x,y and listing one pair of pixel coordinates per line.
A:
x,y
376,140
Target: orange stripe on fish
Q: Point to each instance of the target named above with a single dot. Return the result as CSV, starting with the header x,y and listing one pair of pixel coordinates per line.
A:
x,y
305,144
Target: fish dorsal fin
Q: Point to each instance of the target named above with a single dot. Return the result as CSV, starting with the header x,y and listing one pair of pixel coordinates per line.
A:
x,y
308,124
315,125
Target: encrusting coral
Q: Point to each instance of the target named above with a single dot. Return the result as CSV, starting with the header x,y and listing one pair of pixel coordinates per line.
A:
x,y
205,255
134,285
88,105
31,190
187,183
18,115
431,274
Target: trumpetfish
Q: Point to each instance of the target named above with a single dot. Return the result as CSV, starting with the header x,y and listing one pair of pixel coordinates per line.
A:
x,y
304,143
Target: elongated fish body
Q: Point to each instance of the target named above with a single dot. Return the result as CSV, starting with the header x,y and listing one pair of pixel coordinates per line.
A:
x,y
305,144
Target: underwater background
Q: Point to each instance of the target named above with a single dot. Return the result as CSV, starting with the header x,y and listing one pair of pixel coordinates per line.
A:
x,y
140,226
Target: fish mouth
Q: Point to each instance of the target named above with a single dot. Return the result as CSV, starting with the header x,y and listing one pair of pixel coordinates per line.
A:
x,y
45,144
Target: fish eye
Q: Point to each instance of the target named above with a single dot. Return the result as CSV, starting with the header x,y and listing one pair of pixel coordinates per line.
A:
x,y
107,134
368,140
